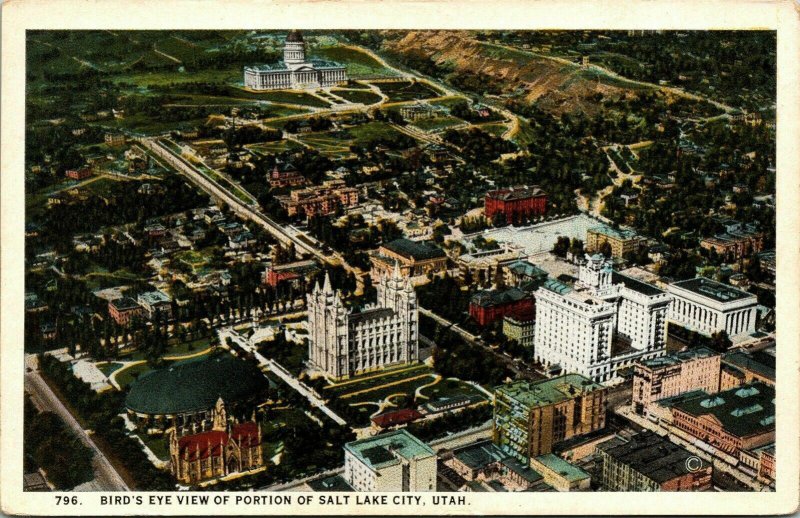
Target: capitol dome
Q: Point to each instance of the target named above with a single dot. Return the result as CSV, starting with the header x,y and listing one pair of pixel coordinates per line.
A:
x,y
294,36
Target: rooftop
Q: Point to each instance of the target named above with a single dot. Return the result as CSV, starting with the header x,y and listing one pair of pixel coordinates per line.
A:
x,y
519,192
548,392
417,250
558,465
479,455
635,285
154,297
750,362
680,357
486,298
743,411
387,449
124,303
713,290
176,389
616,233
651,455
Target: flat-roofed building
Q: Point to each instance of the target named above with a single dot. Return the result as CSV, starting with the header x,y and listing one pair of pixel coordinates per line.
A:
x,y
294,273
621,241
483,265
486,306
708,306
394,461
530,417
484,461
520,326
156,304
738,419
416,259
674,374
649,462
754,366
124,310
516,203
560,474
603,322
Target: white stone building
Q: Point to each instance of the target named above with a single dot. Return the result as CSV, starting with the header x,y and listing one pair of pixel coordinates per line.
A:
x,y
295,71
707,306
394,461
604,322
345,342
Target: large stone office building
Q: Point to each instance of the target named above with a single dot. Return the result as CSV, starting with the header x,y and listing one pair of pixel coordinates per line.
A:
x,y
708,306
295,71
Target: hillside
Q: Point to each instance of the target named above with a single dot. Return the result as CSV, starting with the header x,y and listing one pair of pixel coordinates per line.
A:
x,y
556,85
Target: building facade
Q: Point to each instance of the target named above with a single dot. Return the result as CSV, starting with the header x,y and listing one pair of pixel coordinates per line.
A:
x,y
321,200
490,305
520,326
394,461
530,417
738,419
707,306
156,304
295,71
649,462
667,376
229,447
417,259
604,322
620,241
343,342
125,310
516,203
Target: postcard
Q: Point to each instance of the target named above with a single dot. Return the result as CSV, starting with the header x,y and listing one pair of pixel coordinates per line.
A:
x,y
399,258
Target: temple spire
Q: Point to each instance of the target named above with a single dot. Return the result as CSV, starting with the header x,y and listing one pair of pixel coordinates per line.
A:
x,y
396,274
327,285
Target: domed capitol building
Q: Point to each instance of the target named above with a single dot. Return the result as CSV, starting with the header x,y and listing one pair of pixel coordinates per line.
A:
x,y
294,71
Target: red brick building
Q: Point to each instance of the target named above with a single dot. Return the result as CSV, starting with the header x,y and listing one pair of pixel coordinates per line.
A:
x,y
290,272
124,310
320,200
739,419
487,306
395,418
515,203
78,174
285,175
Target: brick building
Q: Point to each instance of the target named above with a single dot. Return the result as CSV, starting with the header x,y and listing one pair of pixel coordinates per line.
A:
x,y
667,376
416,259
125,310
78,174
621,241
515,203
320,200
531,417
738,419
285,175
487,306
293,273
649,462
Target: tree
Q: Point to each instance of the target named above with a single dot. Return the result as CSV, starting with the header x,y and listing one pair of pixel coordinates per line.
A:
x,y
605,249
561,246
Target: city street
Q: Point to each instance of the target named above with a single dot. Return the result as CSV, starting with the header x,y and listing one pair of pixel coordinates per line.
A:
x,y
106,477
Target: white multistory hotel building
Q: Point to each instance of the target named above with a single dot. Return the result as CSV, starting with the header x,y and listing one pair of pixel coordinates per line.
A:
x,y
604,322
343,342
707,306
295,71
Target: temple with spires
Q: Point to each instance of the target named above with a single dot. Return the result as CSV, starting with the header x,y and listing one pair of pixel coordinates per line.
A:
x,y
228,447
345,342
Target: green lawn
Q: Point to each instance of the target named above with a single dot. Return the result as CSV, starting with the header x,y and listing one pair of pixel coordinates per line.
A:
x,y
375,379
358,96
130,374
494,129
274,147
407,91
176,349
358,63
448,388
108,367
370,130
280,96
437,123
158,444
